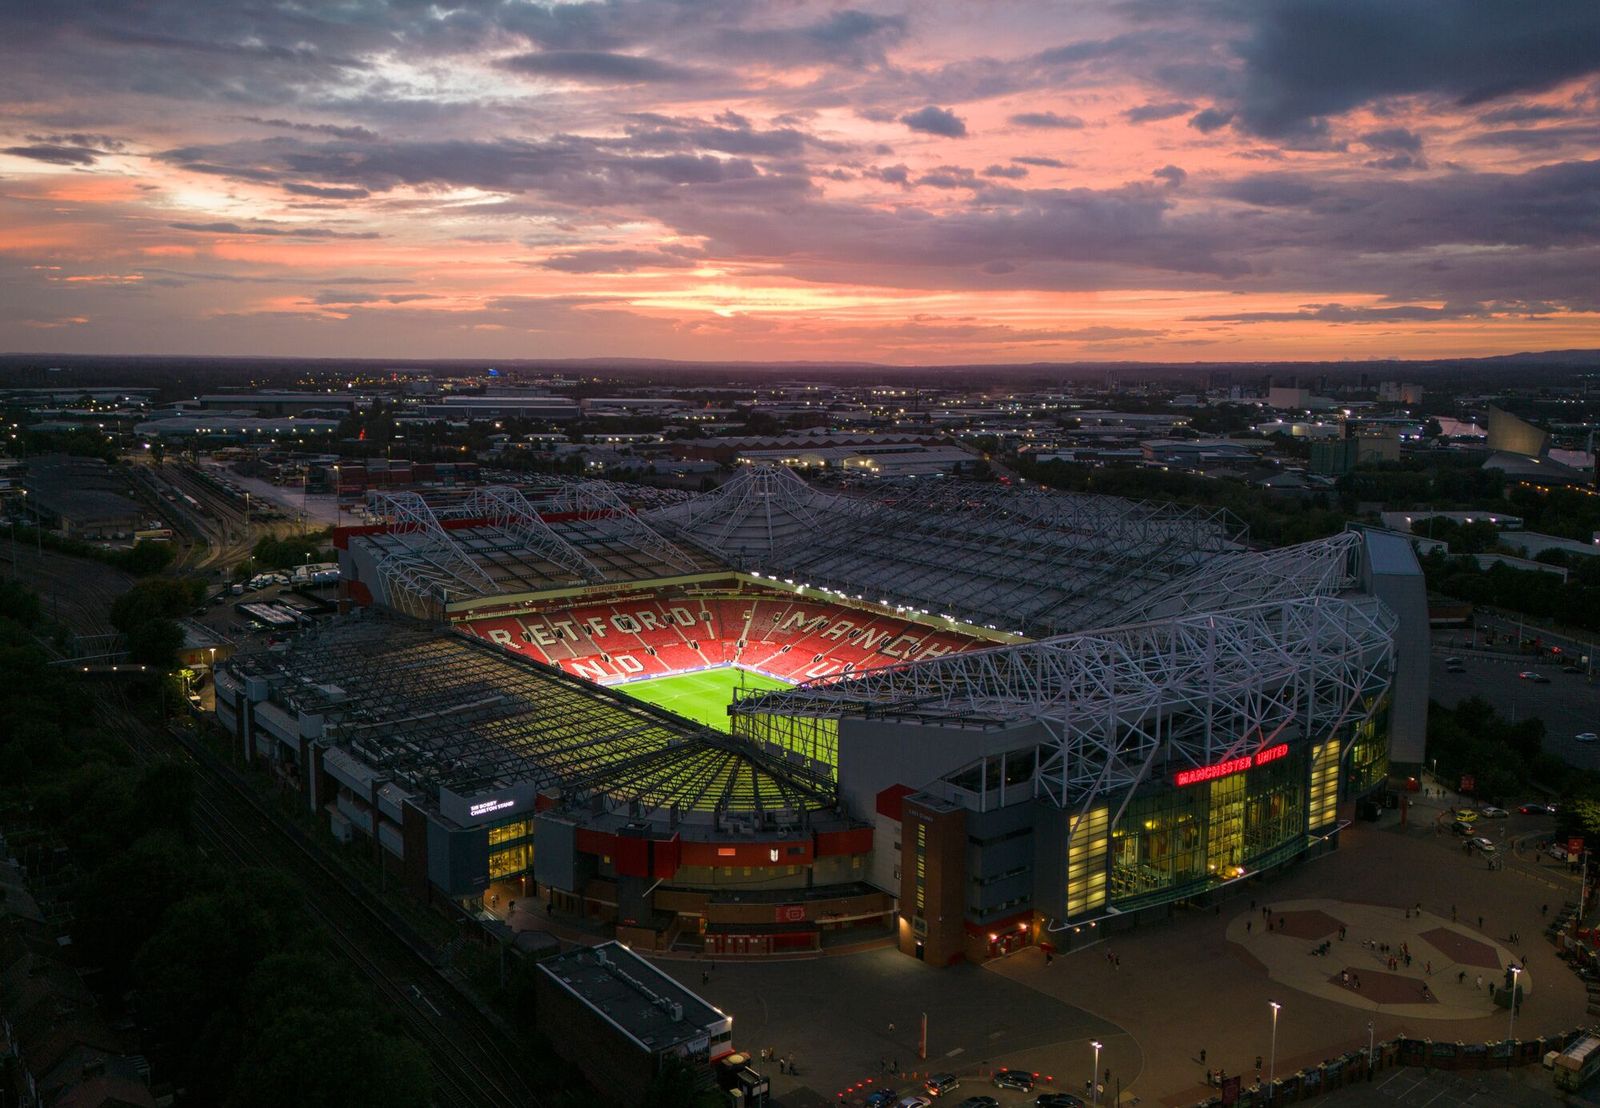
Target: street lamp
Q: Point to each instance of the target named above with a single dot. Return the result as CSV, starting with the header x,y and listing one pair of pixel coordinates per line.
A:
x,y
1511,1031
1094,1075
1369,1050
1272,1065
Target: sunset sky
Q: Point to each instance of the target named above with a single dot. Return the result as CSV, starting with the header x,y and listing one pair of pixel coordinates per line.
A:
x,y
977,181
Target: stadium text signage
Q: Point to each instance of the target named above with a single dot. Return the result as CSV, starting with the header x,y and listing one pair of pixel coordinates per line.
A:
x,y
486,807
1231,766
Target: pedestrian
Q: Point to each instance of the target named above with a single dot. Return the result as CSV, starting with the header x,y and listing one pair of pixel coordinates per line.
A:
x,y
1480,981
1543,908
1429,968
1341,932
1118,961
1202,1056
1252,906
1491,988
1461,977
1048,957
1452,913
1480,923
705,977
1247,927
891,1027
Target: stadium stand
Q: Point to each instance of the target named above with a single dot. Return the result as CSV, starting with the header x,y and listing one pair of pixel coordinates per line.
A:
x,y
793,639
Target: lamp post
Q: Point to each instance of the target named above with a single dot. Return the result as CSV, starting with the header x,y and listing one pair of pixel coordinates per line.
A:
x,y
1272,1065
1511,1030
1094,1075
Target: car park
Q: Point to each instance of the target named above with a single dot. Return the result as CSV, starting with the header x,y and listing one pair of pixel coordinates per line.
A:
x,y
1493,813
940,1083
1021,1080
1586,736
1535,676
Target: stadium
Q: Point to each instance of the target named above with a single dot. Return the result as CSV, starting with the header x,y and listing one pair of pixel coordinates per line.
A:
x,y
772,719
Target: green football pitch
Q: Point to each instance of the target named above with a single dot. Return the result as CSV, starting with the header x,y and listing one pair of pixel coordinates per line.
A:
x,y
704,696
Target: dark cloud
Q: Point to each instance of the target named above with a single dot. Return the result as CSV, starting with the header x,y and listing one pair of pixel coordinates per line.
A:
x,y
844,38
325,193
1526,113
1210,119
1398,162
1043,162
274,230
330,297
890,175
1046,119
335,129
1342,313
1150,113
1306,60
103,143
619,261
597,67
1014,172
1539,138
950,177
55,155
1172,175
1394,138
934,120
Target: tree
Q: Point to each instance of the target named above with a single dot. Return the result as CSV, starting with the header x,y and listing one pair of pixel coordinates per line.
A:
x,y
322,1058
680,1084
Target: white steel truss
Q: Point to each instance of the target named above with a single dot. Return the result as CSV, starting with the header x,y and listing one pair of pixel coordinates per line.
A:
x,y
601,500
505,510
750,519
1321,567
425,568
1193,689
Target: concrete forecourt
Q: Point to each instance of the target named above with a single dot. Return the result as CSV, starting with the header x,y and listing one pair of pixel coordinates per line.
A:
x,y
1204,980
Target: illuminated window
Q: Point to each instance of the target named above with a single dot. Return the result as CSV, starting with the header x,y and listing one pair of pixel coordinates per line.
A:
x,y
513,859
1086,861
1324,807
506,832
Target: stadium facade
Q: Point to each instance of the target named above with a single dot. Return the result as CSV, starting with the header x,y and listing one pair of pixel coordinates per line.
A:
x,y
1015,716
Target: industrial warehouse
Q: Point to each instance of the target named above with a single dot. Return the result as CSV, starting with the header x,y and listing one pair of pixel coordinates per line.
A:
x,y
955,717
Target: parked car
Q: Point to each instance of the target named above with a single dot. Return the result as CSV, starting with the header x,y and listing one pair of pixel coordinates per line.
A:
x,y
1452,661
1021,1080
1586,736
1058,1100
1466,815
882,1098
979,1102
1454,667
1571,669
914,1101
1535,808
940,1083
1493,813
1482,845
1462,827
1558,851
1535,676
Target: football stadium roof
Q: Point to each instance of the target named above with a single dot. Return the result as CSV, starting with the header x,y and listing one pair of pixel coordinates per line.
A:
x,y
436,710
1294,655
1024,560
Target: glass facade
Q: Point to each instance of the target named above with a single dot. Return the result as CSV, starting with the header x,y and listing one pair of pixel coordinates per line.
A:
x,y
510,832
1368,765
1176,840
1086,862
511,860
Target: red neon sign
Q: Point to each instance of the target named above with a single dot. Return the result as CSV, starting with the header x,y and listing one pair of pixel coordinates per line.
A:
x,y
1231,766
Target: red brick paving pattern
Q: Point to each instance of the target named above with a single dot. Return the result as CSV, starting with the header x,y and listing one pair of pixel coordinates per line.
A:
x,y
1460,948
1386,988
1313,924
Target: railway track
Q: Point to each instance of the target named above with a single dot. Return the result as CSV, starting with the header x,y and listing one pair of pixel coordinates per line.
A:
x,y
469,1067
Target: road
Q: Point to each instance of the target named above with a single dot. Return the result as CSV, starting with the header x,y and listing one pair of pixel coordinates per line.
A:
x,y
471,1057
1568,704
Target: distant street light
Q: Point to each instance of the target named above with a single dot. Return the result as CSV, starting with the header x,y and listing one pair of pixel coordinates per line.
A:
x,y
1272,1066
1094,1075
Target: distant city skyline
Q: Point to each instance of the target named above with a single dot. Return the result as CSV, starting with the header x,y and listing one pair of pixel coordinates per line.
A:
x,y
897,183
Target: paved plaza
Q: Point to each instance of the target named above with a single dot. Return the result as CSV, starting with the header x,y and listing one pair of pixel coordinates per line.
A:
x,y
1200,980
